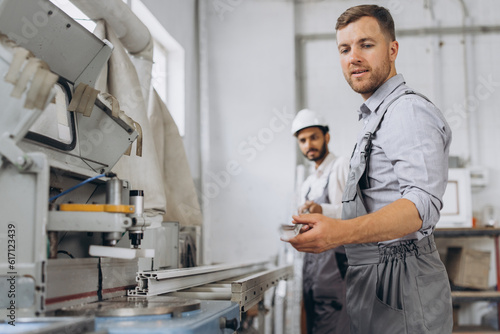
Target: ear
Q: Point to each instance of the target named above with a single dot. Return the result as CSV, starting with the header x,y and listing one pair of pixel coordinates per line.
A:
x,y
327,137
393,50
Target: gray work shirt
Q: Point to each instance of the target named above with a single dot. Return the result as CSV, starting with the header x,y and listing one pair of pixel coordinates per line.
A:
x,y
409,157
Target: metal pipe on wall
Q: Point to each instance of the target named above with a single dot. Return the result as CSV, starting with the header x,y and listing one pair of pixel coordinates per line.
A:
x,y
131,31
470,83
203,8
437,57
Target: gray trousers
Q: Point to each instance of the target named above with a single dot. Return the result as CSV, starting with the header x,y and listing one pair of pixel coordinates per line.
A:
x,y
324,293
397,289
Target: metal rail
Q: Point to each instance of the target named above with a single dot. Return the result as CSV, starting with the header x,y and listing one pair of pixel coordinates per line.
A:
x,y
250,290
150,283
245,290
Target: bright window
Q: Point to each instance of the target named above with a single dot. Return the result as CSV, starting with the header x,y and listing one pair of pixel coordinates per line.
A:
x,y
168,67
160,71
75,13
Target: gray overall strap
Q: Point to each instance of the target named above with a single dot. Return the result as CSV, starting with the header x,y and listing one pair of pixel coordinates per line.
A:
x,y
353,205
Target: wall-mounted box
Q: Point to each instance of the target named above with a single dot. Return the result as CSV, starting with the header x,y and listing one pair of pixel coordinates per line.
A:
x,y
457,205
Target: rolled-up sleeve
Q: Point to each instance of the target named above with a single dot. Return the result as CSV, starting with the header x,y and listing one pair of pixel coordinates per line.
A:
x,y
418,150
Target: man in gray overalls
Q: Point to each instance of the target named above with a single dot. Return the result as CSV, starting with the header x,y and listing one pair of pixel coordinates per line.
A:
x,y
396,282
323,274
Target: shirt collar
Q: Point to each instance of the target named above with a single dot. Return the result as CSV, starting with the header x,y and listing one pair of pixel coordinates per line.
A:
x,y
328,159
374,101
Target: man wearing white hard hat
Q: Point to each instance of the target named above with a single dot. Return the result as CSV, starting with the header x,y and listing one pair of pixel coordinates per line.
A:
x,y
321,192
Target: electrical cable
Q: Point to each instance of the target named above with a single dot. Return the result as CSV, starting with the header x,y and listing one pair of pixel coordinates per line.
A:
x,y
81,184
65,252
99,283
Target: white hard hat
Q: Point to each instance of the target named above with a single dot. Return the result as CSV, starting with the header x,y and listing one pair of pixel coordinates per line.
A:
x,y
307,118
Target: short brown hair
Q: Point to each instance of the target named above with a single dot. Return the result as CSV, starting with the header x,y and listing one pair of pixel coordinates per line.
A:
x,y
381,14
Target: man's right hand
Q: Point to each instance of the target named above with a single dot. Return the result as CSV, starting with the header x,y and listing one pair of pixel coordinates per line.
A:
x,y
318,233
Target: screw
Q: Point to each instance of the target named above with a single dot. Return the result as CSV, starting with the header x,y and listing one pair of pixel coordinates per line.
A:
x,y
21,161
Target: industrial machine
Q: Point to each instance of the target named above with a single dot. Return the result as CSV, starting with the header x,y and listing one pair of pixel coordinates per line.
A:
x,y
78,253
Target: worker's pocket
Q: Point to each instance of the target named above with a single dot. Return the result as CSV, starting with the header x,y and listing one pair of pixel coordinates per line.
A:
x,y
387,319
341,263
435,299
389,284
388,300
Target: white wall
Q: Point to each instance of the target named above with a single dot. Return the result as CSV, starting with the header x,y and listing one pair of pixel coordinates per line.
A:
x,y
179,18
247,101
250,104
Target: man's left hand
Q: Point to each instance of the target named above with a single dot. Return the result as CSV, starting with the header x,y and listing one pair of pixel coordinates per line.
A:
x,y
310,207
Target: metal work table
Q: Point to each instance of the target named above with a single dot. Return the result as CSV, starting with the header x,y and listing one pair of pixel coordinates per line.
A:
x,y
204,320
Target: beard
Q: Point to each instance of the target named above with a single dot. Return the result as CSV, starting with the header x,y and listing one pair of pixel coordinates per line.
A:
x,y
373,82
321,155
